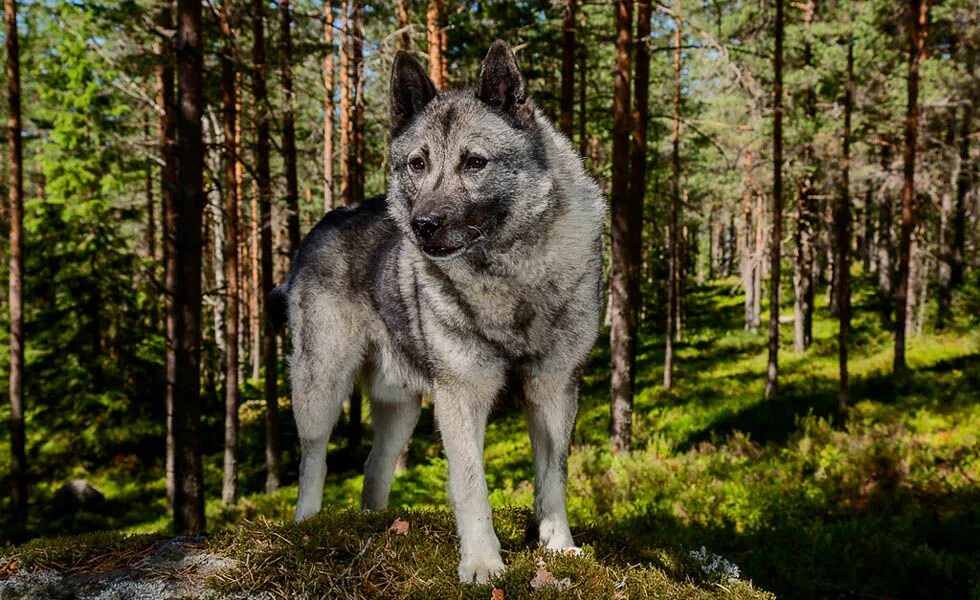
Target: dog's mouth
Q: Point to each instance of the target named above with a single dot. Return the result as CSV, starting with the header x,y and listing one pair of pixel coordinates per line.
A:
x,y
453,244
439,251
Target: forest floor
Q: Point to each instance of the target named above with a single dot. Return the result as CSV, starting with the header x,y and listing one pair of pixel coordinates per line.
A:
x,y
883,504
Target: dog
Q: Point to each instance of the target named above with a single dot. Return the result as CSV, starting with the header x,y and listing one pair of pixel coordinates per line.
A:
x,y
479,274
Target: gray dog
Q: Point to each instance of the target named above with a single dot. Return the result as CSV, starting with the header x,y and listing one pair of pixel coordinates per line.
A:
x,y
479,275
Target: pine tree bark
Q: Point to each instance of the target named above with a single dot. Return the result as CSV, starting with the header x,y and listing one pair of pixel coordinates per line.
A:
x,y
583,69
270,361
842,226
355,429
15,191
404,25
772,371
918,13
625,276
188,470
803,283
229,101
346,103
673,244
433,22
567,101
945,255
167,132
289,125
967,175
747,254
328,109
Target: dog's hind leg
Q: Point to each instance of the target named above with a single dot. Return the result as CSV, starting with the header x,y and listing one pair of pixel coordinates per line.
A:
x,y
552,402
394,413
327,354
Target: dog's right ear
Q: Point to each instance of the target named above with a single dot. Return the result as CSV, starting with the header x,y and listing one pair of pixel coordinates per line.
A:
x,y
411,91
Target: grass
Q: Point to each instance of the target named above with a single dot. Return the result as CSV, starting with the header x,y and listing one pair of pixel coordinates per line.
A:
x,y
883,504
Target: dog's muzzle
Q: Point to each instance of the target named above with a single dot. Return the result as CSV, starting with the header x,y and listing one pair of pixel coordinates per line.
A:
x,y
438,238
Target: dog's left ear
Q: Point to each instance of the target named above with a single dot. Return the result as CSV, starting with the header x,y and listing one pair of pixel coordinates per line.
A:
x,y
411,91
503,87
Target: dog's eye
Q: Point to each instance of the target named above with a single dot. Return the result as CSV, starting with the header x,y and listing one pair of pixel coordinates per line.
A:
x,y
474,163
417,164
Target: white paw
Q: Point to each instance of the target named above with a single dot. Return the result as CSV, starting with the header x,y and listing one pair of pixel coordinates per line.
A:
x,y
556,536
480,568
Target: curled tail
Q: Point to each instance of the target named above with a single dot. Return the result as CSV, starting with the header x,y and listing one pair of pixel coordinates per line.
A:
x,y
277,308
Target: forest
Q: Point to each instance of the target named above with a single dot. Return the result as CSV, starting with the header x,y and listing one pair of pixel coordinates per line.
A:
x,y
784,394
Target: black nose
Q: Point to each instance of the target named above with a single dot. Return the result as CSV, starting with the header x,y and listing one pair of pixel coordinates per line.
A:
x,y
426,225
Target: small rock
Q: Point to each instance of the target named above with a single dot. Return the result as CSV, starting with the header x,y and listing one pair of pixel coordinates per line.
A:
x,y
80,494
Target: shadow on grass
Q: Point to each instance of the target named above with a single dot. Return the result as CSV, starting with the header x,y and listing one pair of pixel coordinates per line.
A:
x,y
899,545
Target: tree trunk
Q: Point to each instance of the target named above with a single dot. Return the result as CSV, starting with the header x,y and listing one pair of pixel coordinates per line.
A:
x,y
328,109
188,470
758,260
918,13
289,125
885,248
433,21
355,428
842,226
945,254
346,103
966,179
15,191
746,254
167,132
229,100
772,371
673,283
567,101
256,284
404,25
270,362
583,70
803,266
625,278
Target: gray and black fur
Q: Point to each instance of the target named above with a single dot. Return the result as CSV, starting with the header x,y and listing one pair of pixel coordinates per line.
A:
x,y
481,269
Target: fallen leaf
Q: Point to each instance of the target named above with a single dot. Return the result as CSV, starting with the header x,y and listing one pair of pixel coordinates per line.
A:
x,y
399,527
497,594
543,579
12,566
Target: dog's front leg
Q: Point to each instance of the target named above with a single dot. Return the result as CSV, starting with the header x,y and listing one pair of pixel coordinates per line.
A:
x,y
552,402
461,413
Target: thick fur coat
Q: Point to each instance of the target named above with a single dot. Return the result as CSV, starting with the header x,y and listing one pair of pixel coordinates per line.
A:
x,y
480,272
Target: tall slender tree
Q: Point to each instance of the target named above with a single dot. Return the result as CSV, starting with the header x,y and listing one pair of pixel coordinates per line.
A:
x,y
289,124
188,470
625,266
583,70
803,280
229,101
167,132
673,245
434,43
270,361
15,190
917,17
842,227
328,107
567,101
772,372
346,102
404,25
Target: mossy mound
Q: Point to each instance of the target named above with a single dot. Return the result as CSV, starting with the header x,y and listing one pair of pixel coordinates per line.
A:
x,y
353,554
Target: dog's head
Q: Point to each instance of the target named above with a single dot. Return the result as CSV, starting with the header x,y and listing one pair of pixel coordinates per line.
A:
x,y
468,168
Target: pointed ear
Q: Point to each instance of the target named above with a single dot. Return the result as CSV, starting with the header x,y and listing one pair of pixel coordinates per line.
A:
x,y
503,87
411,91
